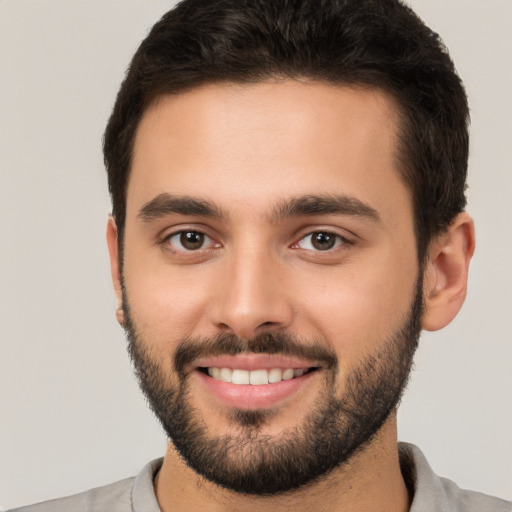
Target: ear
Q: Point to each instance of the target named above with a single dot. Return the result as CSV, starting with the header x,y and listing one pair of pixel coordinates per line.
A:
x,y
115,266
446,273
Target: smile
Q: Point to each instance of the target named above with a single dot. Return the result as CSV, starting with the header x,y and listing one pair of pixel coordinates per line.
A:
x,y
254,381
257,377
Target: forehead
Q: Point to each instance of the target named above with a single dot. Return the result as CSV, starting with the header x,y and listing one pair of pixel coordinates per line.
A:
x,y
260,143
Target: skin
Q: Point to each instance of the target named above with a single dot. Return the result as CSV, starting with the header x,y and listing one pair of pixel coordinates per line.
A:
x,y
246,149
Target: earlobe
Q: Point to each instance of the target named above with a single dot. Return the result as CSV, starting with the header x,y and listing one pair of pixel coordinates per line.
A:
x,y
115,266
446,273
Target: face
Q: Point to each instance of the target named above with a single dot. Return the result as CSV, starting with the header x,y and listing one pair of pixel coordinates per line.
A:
x,y
270,276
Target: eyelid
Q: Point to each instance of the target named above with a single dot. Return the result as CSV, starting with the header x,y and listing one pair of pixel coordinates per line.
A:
x,y
164,239
346,238
339,241
206,240
165,236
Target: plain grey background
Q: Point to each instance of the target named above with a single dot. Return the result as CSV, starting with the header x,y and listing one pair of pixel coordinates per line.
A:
x,y
71,415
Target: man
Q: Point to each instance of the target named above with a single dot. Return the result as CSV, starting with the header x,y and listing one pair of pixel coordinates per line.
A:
x,y
288,213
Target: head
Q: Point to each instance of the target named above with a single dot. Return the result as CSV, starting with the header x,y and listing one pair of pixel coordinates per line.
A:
x,y
378,44
287,178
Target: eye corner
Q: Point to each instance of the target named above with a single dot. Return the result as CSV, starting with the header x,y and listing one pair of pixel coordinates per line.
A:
x,y
321,241
187,241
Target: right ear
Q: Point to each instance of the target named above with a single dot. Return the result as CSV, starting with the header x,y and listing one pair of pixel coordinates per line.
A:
x,y
115,266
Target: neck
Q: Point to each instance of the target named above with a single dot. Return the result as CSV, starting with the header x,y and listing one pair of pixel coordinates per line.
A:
x,y
371,480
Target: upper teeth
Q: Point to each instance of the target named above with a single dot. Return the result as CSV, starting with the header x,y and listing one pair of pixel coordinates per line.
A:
x,y
255,377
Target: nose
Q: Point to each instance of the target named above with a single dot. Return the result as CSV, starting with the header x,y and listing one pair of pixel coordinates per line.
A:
x,y
251,296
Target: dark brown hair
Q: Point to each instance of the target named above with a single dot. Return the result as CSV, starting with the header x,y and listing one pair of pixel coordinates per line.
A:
x,y
375,43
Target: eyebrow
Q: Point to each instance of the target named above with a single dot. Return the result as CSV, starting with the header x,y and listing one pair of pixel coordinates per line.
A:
x,y
311,205
167,204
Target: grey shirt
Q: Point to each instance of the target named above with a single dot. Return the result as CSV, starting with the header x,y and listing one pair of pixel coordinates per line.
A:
x,y
430,492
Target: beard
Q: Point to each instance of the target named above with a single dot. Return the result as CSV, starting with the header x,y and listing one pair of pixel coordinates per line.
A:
x,y
248,461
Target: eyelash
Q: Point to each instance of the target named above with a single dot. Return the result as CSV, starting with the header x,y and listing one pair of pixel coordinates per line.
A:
x,y
339,241
167,241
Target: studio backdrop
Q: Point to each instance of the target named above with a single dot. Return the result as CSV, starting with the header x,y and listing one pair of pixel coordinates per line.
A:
x,y
71,415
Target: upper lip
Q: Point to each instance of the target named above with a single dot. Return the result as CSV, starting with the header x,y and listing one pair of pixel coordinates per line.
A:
x,y
253,362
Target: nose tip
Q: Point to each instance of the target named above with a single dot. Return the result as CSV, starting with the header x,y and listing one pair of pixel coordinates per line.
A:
x,y
251,301
247,328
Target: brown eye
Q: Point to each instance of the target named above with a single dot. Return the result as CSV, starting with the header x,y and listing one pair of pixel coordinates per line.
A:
x,y
320,241
192,240
323,241
188,240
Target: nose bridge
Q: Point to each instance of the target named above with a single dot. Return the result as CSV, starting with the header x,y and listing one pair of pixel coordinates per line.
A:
x,y
250,297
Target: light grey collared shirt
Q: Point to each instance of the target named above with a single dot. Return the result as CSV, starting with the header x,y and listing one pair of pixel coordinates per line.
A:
x,y
430,492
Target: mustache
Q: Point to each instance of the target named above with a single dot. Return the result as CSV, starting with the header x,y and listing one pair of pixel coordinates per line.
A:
x,y
190,349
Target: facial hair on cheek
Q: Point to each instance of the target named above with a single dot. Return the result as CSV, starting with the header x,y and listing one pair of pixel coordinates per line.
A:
x,y
247,461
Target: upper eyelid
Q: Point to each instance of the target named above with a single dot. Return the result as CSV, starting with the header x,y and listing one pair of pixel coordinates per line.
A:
x,y
344,240
325,232
346,235
168,232
165,244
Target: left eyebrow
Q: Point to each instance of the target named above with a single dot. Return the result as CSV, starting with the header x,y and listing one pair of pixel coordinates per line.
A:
x,y
167,204
311,205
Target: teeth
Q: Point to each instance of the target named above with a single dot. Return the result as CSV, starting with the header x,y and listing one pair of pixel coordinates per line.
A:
x,y
254,377
214,372
258,377
288,374
275,375
225,374
240,377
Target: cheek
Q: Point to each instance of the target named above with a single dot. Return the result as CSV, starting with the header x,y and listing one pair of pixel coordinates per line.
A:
x,y
166,305
356,311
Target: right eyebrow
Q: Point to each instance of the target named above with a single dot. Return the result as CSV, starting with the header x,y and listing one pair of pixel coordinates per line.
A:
x,y
166,204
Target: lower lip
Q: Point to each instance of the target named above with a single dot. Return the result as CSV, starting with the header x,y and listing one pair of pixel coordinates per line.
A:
x,y
250,397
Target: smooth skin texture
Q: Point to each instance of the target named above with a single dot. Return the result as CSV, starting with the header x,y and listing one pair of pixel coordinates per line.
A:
x,y
246,150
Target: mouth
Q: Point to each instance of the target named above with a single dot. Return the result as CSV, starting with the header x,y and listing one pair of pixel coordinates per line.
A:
x,y
254,381
258,377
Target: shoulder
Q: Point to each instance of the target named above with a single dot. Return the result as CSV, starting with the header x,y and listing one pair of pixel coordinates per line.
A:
x,y
431,492
463,500
134,494
114,497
